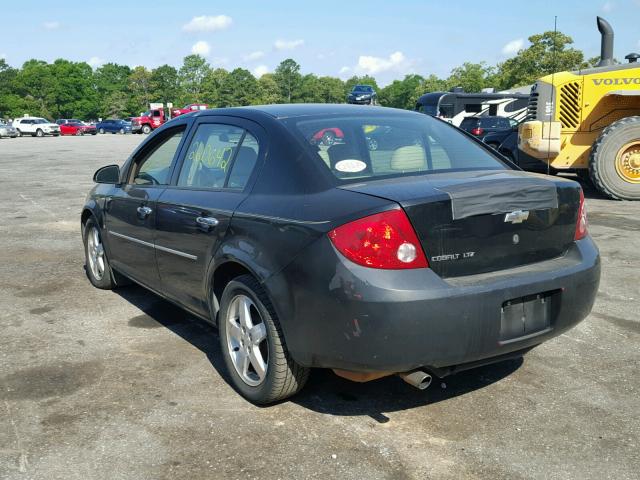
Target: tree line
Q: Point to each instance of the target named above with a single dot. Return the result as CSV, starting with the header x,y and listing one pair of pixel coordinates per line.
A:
x,y
66,89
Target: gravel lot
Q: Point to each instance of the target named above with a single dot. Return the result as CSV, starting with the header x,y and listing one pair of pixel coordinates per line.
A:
x,y
110,385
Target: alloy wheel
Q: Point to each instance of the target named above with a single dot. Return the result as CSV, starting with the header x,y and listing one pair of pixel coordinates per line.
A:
x,y
247,340
95,253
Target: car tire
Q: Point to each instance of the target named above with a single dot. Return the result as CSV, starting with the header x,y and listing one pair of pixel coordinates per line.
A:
x,y
122,131
281,375
328,138
19,133
96,264
493,145
146,129
39,133
102,131
79,133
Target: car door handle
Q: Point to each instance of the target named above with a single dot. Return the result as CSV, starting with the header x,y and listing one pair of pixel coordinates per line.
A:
x,y
207,222
144,211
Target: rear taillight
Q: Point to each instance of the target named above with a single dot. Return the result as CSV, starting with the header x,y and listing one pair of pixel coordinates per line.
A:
x,y
581,224
477,131
384,240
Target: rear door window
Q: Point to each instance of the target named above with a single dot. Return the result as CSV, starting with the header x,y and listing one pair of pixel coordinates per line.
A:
x,y
219,156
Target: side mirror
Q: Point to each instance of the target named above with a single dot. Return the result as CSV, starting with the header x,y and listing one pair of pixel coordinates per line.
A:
x,y
108,174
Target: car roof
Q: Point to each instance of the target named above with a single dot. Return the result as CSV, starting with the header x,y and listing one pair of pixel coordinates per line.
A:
x,y
281,111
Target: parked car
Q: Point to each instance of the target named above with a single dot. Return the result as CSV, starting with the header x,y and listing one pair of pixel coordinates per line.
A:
x,y
113,125
362,95
509,148
495,139
481,126
424,259
7,130
36,127
77,128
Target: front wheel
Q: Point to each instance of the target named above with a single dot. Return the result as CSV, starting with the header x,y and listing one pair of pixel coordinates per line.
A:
x,y
19,133
146,129
253,345
96,263
39,133
102,131
122,131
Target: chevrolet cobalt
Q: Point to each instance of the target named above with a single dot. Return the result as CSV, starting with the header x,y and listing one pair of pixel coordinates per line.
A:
x,y
426,255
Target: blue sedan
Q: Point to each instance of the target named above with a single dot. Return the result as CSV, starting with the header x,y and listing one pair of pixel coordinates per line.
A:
x,y
114,126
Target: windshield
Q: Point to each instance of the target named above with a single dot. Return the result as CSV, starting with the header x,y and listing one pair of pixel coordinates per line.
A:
x,y
356,148
362,89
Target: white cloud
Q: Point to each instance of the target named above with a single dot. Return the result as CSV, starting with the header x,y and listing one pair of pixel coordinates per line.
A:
x,y
607,7
513,47
205,23
288,44
201,48
344,70
95,62
51,25
260,70
372,65
257,55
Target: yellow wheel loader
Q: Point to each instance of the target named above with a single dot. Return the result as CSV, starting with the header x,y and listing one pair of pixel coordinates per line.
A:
x,y
588,122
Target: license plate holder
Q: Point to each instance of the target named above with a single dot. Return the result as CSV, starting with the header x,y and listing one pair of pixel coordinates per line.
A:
x,y
524,316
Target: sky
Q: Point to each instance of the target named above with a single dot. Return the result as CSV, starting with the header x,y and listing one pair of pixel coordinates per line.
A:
x,y
386,39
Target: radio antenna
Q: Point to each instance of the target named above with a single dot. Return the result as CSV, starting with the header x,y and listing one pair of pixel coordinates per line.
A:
x,y
553,90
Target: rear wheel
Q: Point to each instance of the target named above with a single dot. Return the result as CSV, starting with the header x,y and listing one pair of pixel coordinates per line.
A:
x,y
614,164
253,345
102,131
122,131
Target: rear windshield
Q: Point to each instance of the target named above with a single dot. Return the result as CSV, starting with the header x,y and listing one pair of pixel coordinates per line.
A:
x,y
494,122
469,123
355,148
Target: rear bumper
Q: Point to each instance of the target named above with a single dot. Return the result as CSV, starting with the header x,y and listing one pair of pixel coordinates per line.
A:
x,y
336,314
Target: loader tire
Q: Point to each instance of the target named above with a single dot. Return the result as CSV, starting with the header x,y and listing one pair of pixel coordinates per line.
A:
x,y
614,164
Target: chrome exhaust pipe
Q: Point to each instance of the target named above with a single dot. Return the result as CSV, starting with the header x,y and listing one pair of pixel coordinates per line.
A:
x,y
416,378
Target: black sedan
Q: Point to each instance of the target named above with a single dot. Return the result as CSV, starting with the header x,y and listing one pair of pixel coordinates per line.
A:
x,y
425,256
362,95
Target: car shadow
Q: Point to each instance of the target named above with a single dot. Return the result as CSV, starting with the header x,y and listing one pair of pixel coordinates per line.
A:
x,y
325,392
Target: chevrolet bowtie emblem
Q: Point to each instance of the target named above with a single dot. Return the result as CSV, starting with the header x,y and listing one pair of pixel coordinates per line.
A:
x,y
518,216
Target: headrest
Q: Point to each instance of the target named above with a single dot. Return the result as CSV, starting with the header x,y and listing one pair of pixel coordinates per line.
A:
x,y
409,158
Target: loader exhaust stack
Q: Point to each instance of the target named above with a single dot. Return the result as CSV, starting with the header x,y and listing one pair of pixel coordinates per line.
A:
x,y
606,44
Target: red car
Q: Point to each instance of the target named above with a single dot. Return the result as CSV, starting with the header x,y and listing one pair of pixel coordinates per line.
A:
x,y
77,128
192,107
327,136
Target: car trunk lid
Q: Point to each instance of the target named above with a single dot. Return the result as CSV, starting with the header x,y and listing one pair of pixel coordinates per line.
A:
x,y
483,221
